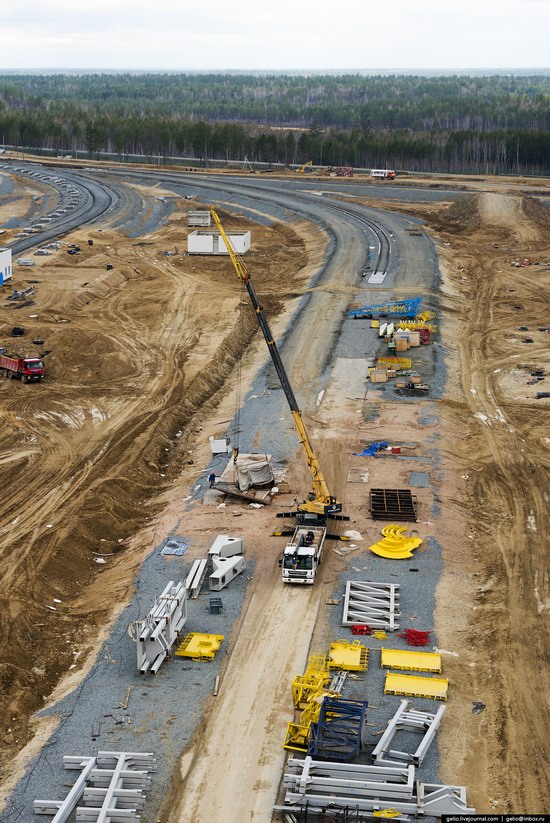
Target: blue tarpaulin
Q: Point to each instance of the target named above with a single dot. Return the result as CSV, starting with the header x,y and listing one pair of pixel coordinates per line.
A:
x,y
371,450
176,547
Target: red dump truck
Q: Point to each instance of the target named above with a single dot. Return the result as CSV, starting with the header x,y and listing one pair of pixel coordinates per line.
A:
x,y
26,369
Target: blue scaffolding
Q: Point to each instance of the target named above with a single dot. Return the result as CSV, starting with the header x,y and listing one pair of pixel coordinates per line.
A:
x,y
338,735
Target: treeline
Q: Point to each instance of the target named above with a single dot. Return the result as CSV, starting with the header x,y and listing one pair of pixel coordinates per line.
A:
x,y
472,124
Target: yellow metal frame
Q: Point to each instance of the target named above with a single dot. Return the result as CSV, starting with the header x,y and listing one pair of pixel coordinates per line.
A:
x,y
352,657
412,661
413,686
402,362
200,646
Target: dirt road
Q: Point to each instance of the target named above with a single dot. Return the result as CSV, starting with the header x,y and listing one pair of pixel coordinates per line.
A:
x,y
239,755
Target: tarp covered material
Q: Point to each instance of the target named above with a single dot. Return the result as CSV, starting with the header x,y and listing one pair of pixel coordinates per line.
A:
x,y
371,450
249,470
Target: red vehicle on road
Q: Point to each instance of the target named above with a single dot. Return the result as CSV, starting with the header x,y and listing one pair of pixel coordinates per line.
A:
x,y
26,369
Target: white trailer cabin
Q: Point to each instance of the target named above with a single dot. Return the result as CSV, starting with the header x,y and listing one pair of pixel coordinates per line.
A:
x,y
5,264
211,242
199,218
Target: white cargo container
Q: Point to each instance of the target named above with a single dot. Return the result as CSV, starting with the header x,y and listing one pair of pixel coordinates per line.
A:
x,y
198,218
5,264
211,242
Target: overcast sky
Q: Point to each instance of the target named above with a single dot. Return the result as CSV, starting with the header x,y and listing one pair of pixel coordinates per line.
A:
x,y
280,34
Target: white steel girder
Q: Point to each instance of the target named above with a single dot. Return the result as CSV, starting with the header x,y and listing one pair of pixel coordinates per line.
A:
x,y
119,800
195,578
320,786
159,631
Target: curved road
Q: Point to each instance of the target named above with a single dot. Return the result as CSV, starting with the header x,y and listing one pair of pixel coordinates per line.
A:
x,y
96,199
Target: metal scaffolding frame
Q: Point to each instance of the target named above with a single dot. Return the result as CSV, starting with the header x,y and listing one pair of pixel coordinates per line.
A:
x,y
338,734
410,720
373,604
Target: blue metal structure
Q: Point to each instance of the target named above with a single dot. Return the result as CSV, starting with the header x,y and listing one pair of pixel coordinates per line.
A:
x,y
338,735
397,308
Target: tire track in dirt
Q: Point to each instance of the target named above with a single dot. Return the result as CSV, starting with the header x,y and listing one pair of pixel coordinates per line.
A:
x,y
136,353
508,495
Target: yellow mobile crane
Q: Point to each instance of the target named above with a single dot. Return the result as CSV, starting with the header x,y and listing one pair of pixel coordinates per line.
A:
x,y
320,502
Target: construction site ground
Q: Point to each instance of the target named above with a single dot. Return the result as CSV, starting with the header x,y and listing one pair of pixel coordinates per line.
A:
x,y
109,456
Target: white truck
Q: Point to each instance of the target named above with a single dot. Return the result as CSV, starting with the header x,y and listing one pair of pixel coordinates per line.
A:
x,y
302,555
388,174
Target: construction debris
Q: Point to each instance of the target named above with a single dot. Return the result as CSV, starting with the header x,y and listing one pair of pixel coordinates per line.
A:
x,y
175,547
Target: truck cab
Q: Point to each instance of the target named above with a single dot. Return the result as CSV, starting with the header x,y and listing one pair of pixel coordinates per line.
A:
x,y
302,555
32,369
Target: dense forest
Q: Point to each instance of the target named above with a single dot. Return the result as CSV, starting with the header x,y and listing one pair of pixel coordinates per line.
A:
x,y
498,124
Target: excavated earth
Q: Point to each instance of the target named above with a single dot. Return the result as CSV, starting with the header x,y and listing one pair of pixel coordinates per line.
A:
x,y
141,356
135,356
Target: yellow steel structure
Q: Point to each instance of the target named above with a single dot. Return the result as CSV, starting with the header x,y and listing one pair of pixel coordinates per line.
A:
x,y
395,362
200,646
413,686
412,661
389,813
413,325
305,686
352,657
308,691
395,544
320,501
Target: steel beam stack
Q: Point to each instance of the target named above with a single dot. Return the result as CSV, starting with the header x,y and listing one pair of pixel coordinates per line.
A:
x,y
118,781
156,635
316,786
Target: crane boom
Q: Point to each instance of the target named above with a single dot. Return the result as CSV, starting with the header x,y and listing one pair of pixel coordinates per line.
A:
x,y
320,500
